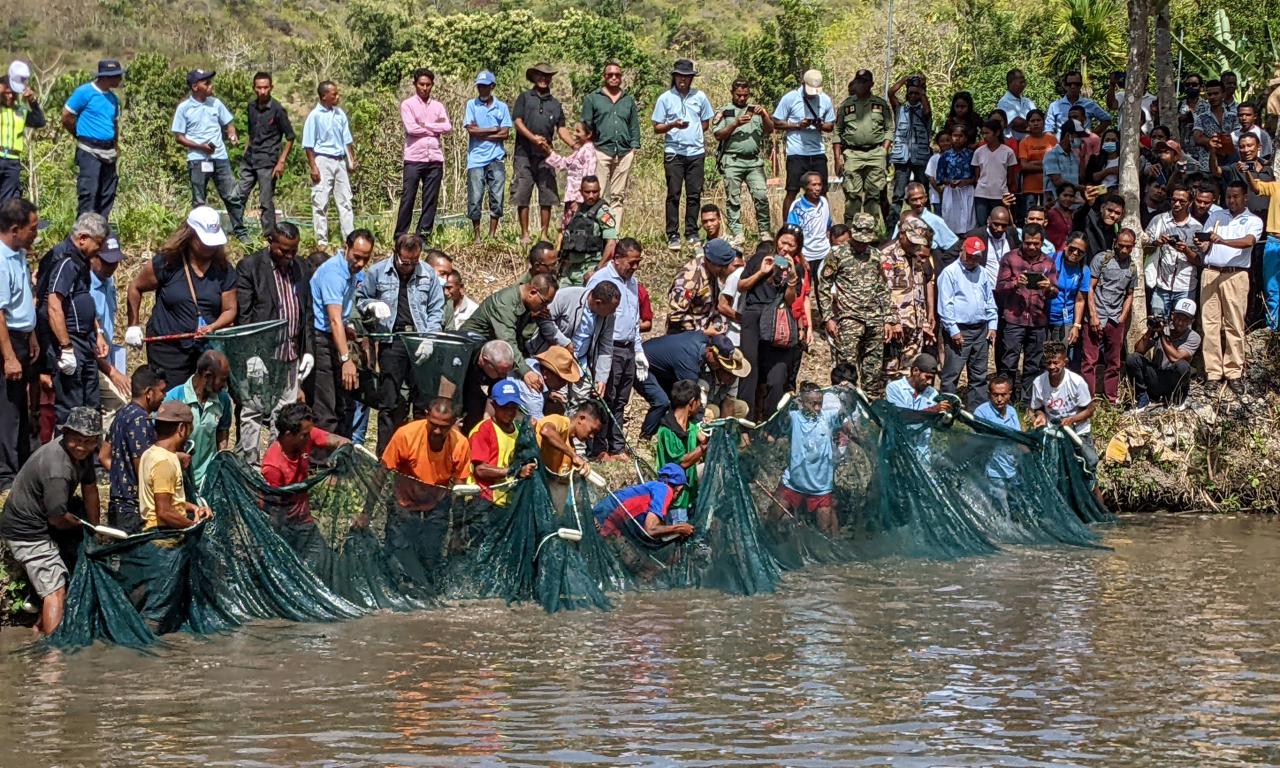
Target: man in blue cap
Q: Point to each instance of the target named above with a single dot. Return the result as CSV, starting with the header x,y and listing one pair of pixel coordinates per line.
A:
x,y
488,125
114,385
642,510
493,443
199,123
695,292
92,116
693,355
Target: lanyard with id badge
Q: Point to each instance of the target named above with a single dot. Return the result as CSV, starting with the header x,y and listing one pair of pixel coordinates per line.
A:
x,y
186,271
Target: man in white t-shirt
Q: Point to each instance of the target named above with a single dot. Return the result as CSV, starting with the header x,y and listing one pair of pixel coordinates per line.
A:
x,y
812,213
1060,396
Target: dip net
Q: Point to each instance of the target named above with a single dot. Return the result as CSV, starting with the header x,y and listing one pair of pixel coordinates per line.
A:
x,y
357,538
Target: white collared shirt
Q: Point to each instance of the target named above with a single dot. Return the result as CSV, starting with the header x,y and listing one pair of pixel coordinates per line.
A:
x,y
1224,256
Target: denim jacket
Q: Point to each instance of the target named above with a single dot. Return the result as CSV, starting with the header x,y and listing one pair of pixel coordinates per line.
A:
x,y
426,297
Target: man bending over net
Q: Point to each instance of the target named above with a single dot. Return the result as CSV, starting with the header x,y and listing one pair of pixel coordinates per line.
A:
x,y
288,462
642,511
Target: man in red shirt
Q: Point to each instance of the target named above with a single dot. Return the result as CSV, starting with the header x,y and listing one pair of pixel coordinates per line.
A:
x,y
288,462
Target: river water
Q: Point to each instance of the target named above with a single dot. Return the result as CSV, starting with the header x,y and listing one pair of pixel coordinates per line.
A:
x,y
1164,651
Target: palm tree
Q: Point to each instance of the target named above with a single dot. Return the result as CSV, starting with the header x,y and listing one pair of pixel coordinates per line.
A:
x,y
1088,32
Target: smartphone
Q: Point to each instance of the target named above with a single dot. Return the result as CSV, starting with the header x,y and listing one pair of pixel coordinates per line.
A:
x,y
1034,278
1203,237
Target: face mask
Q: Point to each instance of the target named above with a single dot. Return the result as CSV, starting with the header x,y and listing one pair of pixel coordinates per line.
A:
x,y
441,279
1109,146
1193,91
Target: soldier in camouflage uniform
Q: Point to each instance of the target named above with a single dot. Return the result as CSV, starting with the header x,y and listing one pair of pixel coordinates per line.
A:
x,y
589,236
864,133
908,270
695,291
741,130
856,314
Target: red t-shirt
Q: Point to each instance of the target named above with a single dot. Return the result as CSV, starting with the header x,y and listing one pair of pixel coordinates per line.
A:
x,y
646,307
279,470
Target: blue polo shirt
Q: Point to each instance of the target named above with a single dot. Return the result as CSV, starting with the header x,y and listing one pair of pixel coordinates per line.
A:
x,y
333,283
811,469
900,393
327,132
16,298
694,107
104,305
676,356
202,122
95,110
794,107
481,152
1004,462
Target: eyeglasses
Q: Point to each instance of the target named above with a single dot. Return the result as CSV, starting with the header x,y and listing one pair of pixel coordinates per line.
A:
x,y
613,74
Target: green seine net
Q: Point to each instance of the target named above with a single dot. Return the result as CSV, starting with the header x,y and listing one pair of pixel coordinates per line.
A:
x,y
357,538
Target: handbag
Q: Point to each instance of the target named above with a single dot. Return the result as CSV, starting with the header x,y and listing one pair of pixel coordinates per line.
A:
x,y
778,327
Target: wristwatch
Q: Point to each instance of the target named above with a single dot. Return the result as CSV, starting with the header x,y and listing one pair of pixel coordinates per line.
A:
x,y
344,358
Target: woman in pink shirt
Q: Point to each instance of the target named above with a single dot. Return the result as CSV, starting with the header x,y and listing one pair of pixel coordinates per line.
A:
x,y
579,165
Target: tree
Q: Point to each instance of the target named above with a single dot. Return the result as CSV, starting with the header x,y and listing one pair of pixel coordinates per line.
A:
x,y
1087,31
1166,77
1130,131
785,47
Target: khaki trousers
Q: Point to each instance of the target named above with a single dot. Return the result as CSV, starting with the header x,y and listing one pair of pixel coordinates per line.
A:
x,y
614,173
1224,295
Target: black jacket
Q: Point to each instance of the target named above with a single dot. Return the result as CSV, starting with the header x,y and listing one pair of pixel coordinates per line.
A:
x,y
257,299
1099,236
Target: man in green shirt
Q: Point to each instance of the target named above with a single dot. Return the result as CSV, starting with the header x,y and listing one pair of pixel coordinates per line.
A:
x,y
864,127
206,393
680,440
741,130
614,118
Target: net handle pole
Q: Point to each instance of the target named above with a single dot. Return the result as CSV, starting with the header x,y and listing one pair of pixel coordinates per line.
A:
x,y
617,424
169,337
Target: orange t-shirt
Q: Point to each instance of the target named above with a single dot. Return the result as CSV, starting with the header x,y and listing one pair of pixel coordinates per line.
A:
x,y
409,453
555,462
1033,148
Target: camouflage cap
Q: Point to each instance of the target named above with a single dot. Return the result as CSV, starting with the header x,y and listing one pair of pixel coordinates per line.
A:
x,y
864,227
917,232
84,421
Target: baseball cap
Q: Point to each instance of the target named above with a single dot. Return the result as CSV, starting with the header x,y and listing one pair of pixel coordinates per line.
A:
x,y
505,392
173,410
560,361
974,246
863,74
84,421
917,232
719,252
863,227
925,363
1171,145
208,226
812,82
729,356
673,474
1186,307
196,75
111,252
19,75
485,78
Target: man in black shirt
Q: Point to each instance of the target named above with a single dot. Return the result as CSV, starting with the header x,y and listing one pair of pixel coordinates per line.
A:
x,y
537,116
41,505
264,160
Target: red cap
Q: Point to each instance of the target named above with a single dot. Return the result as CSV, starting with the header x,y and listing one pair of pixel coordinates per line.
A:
x,y
974,246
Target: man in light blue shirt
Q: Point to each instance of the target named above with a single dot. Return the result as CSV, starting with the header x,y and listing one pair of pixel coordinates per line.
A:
x,y
333,292
1061,166
915,392
1056,115
812,214
488,125
917,200
805,114
1014,105
114,385
967,309
809,479
1002,467
18,229
681,116
92,115
331,155
629,364
198,124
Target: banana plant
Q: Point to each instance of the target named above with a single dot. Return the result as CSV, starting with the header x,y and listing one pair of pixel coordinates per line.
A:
x,y
1254,62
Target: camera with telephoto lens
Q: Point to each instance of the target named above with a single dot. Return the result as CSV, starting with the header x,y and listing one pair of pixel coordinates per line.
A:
x,y
1157,323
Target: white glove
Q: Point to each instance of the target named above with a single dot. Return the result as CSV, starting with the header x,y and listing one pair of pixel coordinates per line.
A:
x,y
642,367
133,336
423,351
305,365
256,369
379,309
67,362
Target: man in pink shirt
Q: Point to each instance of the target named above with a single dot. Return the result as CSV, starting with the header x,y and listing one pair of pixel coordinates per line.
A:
x,y
425,121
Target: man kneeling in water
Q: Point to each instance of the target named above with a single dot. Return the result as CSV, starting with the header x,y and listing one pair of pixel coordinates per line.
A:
x,y
645,506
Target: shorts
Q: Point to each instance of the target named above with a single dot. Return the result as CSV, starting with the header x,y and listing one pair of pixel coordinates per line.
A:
x,y
799,165
528,173
795,501
43,563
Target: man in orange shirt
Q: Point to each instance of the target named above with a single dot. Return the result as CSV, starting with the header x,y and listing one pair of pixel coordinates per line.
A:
x,y
429,456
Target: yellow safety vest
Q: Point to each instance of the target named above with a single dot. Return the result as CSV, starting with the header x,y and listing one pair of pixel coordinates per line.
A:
x,y
13,126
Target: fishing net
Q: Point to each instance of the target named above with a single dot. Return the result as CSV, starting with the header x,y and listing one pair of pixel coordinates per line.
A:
x,y
357,538
258,377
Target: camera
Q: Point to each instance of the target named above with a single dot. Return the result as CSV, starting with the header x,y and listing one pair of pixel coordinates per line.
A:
x,y
1157,323
915,81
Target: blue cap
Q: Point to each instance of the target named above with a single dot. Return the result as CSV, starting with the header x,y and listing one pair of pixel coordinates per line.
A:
x,y
672,474
505,392
485,78
719,252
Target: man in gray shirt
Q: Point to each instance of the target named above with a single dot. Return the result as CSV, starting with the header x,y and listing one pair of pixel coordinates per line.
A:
x,y
1109,303
581,320
1166,374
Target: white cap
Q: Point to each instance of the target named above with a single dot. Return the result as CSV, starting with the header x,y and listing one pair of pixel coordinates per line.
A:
x,y
812,82
19,75
208,226
1186,307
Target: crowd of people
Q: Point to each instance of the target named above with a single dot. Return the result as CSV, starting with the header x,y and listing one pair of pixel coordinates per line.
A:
x,y
958,235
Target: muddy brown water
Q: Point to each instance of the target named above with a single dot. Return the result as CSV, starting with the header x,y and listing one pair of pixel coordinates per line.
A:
x,y
1164,651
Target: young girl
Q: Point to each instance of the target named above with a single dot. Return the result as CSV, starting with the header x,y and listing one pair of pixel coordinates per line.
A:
x,y
580,164
997,175
956,176
943,140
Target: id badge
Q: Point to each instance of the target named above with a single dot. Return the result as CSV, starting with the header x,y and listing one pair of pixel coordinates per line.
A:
x,y
206,166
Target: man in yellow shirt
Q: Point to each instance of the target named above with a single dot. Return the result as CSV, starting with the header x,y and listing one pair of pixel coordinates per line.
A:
x,y
162,496
555,435
1271,251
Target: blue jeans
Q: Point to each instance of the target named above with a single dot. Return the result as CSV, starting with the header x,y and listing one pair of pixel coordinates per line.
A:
x,y
1162,301
492,177
1271,280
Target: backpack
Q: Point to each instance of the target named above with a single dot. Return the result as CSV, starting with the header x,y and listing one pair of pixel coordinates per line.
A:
x,y
583,234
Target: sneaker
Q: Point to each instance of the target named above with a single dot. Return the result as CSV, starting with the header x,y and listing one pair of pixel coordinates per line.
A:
x,y
673,244
1143,402
1237,387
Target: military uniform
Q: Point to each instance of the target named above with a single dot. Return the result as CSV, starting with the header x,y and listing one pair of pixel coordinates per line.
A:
x,y
584,240
693,297
859,304
740,161
907,278
863,126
